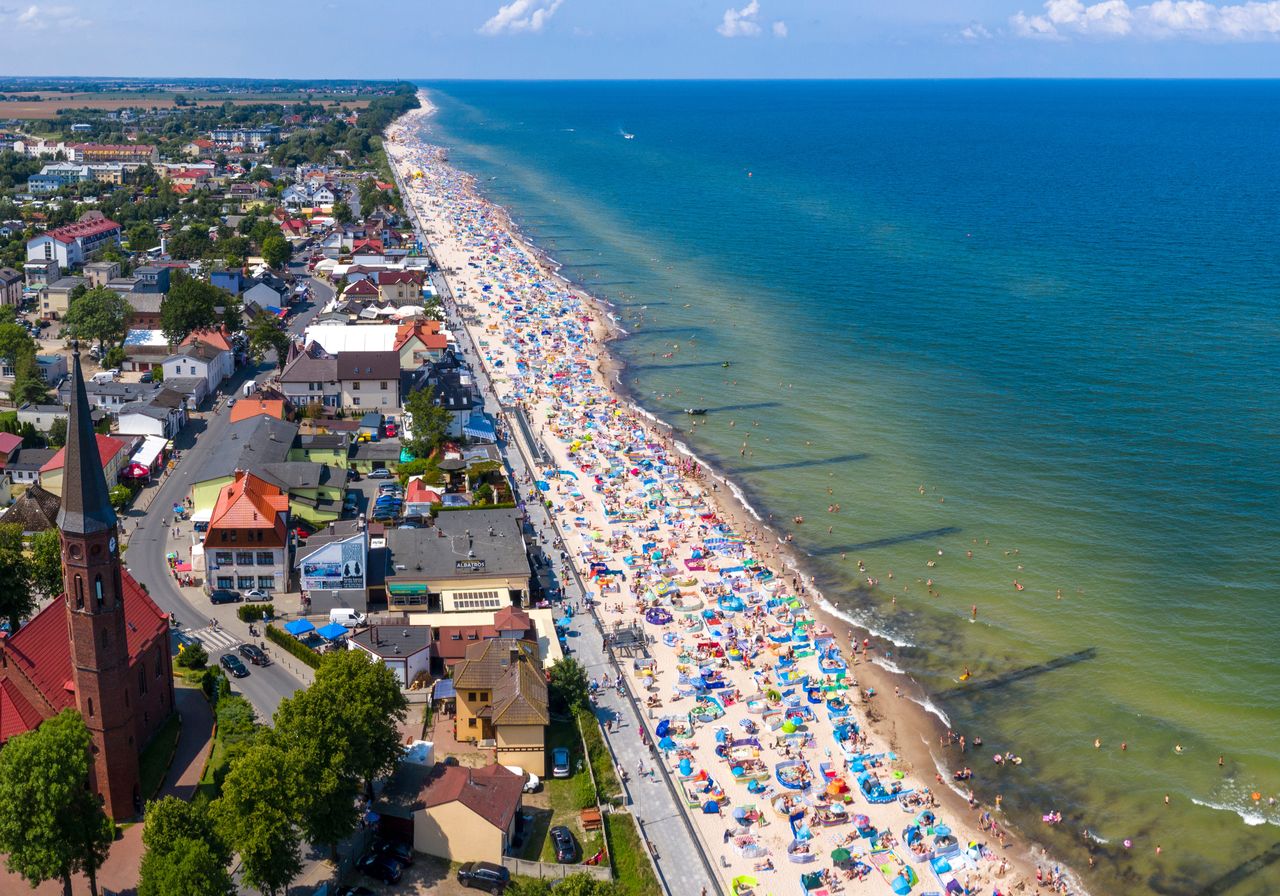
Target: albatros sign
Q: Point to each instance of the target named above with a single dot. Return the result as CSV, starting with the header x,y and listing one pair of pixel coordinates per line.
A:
x,y
470,565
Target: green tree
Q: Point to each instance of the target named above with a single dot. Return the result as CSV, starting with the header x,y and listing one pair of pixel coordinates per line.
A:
x,y
190,305
276,251
57,436
567,684
266,335
17,600
45,562
100,315
15,342
256,816
51,824
430,422
308,729
184,854
372,708
342,212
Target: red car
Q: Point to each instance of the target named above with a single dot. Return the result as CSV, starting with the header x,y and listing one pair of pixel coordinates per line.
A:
x,y
389,431
302,532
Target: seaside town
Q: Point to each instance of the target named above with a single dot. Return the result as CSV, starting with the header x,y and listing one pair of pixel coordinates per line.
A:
x,y
334,564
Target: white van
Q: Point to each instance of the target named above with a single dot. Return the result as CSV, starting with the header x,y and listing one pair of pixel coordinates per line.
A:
x,y
103,376
346,616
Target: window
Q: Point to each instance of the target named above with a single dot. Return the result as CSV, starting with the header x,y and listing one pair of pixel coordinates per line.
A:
x,y
244,558
356,401
355,386
471,696
79,592
97,590
226,582
471,723
245,582
222,558
266,583
265,558
383,387
91,707
142,678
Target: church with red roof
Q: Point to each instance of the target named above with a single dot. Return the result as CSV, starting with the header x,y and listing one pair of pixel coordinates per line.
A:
x,y
102,647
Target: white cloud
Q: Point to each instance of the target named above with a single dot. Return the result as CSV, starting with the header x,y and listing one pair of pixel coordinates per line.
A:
x,y
780,29
740,22
38,18
1161,19
975,31
520,16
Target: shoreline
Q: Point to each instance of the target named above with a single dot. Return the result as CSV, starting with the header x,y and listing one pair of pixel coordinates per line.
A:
x,y
911,730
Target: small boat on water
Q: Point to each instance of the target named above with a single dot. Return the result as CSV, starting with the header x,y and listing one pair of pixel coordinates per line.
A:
x,y
695,412
628,136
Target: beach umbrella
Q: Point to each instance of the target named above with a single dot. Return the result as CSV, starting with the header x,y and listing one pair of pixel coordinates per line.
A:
x,y
663,727
739,813
861,821
666,744
942,831
840,855
686,767
789,726
737,770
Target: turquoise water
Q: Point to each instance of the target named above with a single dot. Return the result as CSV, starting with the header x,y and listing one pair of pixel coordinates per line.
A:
x,y
1052,305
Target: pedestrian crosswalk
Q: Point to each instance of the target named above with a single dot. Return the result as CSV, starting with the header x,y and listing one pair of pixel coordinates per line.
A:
x,y
214,639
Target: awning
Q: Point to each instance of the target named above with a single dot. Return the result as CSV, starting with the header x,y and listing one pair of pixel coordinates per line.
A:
x,y
299,627
202,516
149,451
333,631
406,588
443,689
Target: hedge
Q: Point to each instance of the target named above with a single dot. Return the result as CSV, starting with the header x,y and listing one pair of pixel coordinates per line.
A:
x,y
294,646
255,612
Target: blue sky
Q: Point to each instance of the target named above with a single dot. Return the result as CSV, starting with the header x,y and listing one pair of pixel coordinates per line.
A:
x,y
643,38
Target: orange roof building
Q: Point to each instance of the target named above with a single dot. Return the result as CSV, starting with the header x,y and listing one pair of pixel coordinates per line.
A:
x,y
258,407
246,546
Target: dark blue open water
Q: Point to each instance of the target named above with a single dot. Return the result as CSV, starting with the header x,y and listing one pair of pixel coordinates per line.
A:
x,y
1056,306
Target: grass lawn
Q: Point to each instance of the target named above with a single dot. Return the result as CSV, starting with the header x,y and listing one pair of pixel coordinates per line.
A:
x,y
566,797
601,759
631,869
154,762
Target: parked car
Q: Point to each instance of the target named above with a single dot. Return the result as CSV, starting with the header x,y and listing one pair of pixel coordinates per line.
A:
x,y
385,869
223,596
560,762
390,488
567,851
256,594
531,781
232,664
484,876
394,849
390,431
353,476
146,377
302,532
254,654
382,473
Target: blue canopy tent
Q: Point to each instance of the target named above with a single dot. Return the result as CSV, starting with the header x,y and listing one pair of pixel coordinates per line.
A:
x,y
478,426
333,631
299,627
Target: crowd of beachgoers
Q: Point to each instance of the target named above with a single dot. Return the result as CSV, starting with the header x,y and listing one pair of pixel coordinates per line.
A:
x,y
752,702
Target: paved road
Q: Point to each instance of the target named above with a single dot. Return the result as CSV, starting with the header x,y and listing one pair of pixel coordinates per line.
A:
x,y
149,539
682,866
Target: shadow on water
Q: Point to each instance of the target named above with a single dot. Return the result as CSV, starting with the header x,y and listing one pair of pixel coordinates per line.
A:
x,y
744,407
817,462
887,542
685,366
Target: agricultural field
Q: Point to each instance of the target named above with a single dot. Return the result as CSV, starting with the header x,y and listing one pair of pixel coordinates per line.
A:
x,y
45,105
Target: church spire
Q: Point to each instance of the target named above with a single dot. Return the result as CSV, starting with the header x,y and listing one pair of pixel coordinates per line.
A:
x,y
86,502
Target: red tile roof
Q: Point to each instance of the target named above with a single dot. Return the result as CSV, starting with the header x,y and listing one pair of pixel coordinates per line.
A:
x,y
418,493
492,792
249,503
108,448
361,288
8,442
255,407
41,653
69,233
217,337
386,278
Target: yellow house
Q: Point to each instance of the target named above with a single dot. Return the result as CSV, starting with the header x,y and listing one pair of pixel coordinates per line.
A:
x,y
502,697
114,453
468,814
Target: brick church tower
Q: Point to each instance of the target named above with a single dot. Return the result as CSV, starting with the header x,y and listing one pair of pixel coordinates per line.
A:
x,y
96,622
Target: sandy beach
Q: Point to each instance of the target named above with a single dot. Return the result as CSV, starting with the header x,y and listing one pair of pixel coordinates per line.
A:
x,y
795,754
